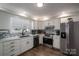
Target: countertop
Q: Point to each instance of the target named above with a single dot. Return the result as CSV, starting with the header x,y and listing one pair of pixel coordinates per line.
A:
x,y
13,38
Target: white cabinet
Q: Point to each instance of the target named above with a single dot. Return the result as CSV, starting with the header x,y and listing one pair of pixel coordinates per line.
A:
x,y
56,41
35,23
23,45
1,49
15,46
26,43
11,48
29,43
41,38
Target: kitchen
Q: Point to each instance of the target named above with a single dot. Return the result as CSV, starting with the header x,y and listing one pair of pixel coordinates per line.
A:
x,y
30,28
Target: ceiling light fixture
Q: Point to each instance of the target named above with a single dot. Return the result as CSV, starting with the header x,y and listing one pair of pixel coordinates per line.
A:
x,y
23,14
39,4
64,14
45,18
35,18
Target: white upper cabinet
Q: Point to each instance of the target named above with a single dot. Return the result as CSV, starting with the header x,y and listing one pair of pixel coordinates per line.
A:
x,y
4,20
54,22
35,24
64,20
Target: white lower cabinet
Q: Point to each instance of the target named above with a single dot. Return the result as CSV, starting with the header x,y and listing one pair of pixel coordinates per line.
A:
x,y
1,49
29,43
26,43
16,46
11,48
41,38
56,41
23,44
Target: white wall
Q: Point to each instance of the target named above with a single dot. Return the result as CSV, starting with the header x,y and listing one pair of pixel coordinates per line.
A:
x,y
4,20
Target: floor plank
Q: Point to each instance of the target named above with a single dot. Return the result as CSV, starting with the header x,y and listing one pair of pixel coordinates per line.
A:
x,y
42,51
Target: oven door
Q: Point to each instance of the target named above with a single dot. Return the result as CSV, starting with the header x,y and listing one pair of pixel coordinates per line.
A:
x,y
48,41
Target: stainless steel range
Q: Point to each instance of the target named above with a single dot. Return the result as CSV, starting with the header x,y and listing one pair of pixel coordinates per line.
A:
x,y
48,38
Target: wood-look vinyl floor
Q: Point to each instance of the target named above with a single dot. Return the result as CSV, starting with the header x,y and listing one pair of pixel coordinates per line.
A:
x,y
42,51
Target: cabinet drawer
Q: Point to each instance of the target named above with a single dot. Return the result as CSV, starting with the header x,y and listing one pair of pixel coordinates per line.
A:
x,y
9,52
9,43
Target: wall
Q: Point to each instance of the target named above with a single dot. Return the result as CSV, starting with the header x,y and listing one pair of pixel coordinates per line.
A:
x,y
4,20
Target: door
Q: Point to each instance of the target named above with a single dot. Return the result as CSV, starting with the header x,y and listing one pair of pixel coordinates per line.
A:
x,y
76,37
63,39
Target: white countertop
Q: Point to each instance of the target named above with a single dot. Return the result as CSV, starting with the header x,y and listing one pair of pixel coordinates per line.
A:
x,y
12,38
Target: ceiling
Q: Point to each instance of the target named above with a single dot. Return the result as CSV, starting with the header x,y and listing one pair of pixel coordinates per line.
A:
x,y
49,9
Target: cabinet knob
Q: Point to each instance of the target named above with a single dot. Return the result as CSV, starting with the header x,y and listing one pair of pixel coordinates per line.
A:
x,y
12,46
27,42
12,50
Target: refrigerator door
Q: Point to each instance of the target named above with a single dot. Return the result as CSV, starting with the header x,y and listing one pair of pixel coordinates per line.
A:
x,y
76,37
63,39
69,43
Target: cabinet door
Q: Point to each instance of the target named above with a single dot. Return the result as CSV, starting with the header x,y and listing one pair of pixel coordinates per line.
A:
x,y
41,38
9,48
17,47
1,49
23,45
56,42
26,44
29,42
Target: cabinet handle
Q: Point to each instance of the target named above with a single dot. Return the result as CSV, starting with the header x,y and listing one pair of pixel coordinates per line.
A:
x,y
12,46
12,50
27,42
12,43
12,55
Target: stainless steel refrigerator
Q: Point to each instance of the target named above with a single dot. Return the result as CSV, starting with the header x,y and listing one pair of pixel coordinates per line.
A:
x,y
69,43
